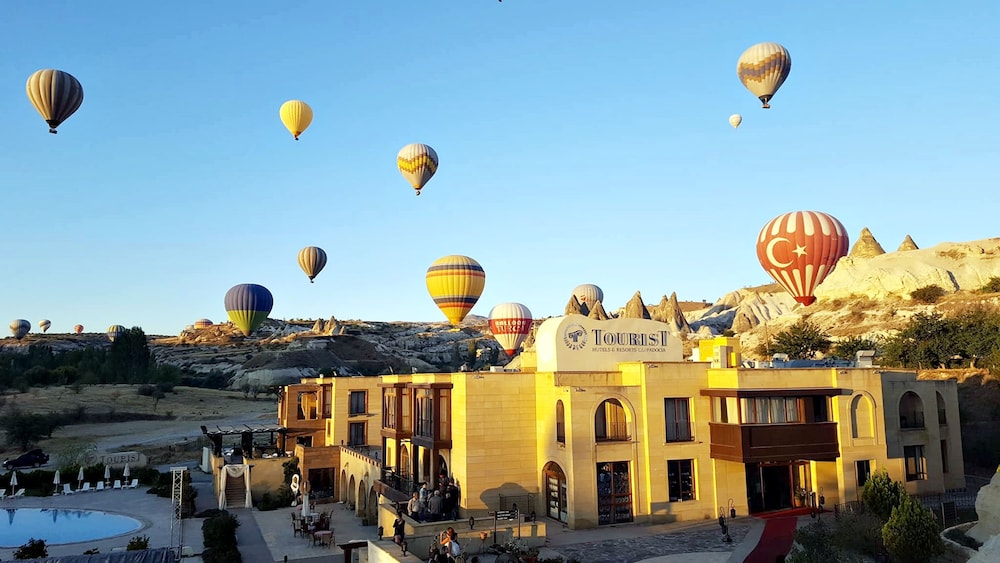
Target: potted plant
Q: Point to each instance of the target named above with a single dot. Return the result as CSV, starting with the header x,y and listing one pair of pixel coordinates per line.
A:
x,y
530,555
800,497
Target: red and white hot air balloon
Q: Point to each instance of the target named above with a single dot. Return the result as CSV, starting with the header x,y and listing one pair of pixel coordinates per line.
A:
x,y
510,324
799,249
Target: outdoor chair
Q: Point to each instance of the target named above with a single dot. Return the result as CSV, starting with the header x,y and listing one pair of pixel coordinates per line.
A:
x,y
117,485
3,494
86,488
19,493
133,485
100,486
67,489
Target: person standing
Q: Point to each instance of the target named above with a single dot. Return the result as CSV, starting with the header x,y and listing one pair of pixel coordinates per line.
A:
x,y
434,505
413,508
399,529
424,494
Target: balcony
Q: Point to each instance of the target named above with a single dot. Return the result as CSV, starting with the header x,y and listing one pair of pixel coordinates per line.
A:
x,y
755,443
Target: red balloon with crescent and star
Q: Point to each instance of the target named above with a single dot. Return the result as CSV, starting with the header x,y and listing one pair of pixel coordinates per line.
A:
x,y
799,249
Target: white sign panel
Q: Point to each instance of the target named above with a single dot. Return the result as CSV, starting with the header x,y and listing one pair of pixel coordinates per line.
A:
x,y
578,343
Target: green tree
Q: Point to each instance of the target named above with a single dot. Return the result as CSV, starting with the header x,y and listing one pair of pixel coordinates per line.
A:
x,y
992,285
24,429
129,359
912,534
802,340
881,494
815,545
928,294
847,348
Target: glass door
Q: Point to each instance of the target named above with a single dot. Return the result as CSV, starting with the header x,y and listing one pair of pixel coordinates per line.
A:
x,y
614,493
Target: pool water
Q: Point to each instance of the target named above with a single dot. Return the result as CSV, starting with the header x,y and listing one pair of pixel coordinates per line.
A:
x,y
58,525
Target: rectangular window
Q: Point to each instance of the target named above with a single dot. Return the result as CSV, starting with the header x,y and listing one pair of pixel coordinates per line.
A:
x,y
915,463
389,408
944,456
359,403
678,417
680,479
863,468
720,410
424,414
356,434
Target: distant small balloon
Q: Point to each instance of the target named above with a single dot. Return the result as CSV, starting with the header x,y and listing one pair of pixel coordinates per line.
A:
x,y
417,163
312,260
115,331
78,329
55,94
202,323
248,306
296,115
510,324
735,120
44,324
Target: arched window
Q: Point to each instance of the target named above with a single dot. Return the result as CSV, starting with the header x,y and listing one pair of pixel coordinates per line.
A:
x,y
911,411
560,422
609,421
862,419
404,461
942,411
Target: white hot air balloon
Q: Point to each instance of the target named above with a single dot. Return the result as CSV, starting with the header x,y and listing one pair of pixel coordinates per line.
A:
x,y
44,324
735,120
588,294
510,324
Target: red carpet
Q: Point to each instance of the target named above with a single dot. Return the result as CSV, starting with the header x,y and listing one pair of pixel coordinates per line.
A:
x,y
775,541
803,511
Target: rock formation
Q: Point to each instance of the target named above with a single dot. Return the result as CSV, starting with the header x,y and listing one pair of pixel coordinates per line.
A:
x,y
907,244
635,308
598,313
866,246
574,307
988,510
669,311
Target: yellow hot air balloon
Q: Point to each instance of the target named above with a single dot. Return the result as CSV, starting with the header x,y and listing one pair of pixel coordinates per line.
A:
x,y
417,163
296,115
55,94
735,120
763,68
455,283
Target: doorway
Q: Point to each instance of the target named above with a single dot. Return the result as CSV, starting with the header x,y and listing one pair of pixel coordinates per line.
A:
x,y
774,486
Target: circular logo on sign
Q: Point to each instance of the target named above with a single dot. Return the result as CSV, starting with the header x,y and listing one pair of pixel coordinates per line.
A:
x,y
575,336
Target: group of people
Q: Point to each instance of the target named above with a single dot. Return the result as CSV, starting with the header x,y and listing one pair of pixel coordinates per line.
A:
x,y
432,506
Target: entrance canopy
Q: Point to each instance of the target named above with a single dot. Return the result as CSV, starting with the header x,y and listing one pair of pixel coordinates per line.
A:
x,y
247,434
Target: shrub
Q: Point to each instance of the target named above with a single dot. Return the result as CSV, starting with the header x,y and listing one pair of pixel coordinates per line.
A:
x,y
881,494
911,534
859,532
220,531
814,545
273,500
138,543
34,549
992,285
145,390
928,294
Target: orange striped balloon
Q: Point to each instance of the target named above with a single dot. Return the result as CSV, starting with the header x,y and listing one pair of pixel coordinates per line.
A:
x,y
799,249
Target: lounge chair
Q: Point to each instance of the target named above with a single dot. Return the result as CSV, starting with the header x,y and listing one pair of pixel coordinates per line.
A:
x,y
67,489
100,486
86,488
3,494
19,493
133,485
117,485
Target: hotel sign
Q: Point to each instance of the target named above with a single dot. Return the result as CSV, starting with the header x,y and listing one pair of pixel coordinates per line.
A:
x,y
578,343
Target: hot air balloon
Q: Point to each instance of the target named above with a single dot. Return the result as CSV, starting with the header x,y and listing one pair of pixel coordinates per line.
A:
x,y
78,329
510,324
735,120
55,94
799,249
19,328
763,68
44,324
588,294
455,283
296,115
248,306
202,323
114,331
417,163
312,259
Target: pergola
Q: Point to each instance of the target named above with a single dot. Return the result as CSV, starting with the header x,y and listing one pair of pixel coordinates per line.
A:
x,y
247,433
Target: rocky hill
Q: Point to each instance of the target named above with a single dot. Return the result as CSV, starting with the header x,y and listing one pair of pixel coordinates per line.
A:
x,y
867,294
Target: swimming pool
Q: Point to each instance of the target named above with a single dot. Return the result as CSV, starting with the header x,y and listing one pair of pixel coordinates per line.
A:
x,y
59,525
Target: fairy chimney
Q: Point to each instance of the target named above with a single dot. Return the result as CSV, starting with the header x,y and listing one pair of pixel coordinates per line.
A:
x,y
867,246
907,244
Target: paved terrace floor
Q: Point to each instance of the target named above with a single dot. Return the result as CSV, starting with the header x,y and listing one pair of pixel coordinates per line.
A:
x,y
266,537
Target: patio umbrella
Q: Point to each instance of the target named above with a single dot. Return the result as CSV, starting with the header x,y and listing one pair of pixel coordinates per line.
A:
x,y
305,505
79,478
55,481
13,481
126,473
107,474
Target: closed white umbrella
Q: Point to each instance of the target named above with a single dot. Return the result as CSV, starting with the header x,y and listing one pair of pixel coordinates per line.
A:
x,y
13,481
305,505
55,481
107,474
126,473
79,478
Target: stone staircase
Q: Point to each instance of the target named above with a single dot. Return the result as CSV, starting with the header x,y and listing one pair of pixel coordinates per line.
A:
x,y
235,492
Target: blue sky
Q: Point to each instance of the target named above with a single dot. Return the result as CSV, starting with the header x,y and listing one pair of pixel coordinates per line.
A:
x,y
579,143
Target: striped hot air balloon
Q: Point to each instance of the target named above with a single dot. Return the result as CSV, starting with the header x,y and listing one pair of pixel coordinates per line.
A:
x,y
455,283
44,324
588,294
417,163
202,323
312,259
19,328
296,115
799,249
510,324
248,306
55,94
114,331
78,329
762,69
